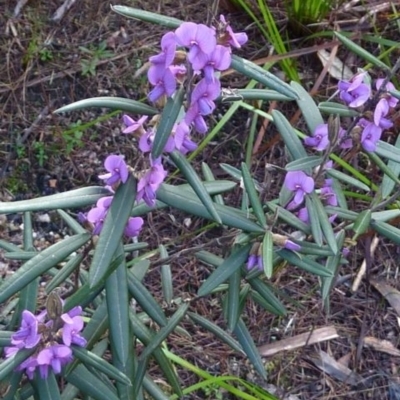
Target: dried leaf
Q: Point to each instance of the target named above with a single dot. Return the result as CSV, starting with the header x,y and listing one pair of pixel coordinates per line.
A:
x,y
336,69
391,294
316,336
383,346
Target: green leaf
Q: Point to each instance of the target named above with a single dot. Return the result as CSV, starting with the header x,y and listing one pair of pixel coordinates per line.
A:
x,y
185,201
209,177
195,182
330,108
91,359
383,167
305,263
262,94
167,121
262,288
253,195
232,303
90,384
292,142
216,330
146,300
237,258
268,254
308,107
247,343
46,389
64,272
154,390
304,163
314,221
112,230
388,184
147,16
388,151
166,277
71,222
355,48
387,230
114,103
289,218
77,198
5,338
347,179
164,331
117,298
41,263
361,224
263,76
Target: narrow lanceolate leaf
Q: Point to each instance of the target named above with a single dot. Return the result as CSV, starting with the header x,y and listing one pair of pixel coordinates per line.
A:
x,y
268,254
289,218
307,106
347,179
114,103
387,230
167,121
46,389
195,182
332,265
383,167
144,298
232,303
305,263
388,151
304,163
12,362
185,201
117,298
342,110
326,225
73,199
93,360
361,224
259,74
216,330
41,263
147,16
90,384
164,331
166,277
209,177
292,142
261,94
112,230
387,183
247,343
314,221
355,48
253,195
237,258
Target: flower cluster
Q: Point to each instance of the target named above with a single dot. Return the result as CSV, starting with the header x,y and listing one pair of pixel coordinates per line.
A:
x,y
50,337
368,130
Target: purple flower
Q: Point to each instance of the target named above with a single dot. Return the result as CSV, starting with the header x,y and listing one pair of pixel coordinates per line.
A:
x,y
27,336
392,101
97,215
299,183
183,143
29,365
219,59
204,93
302,215
147,139
229,37
327,193
133,226
55,356
254,261
355,93
150,182
381,110
291,245
163,80
198,38
73,324
193,116
370,136
117,170
132,125
319,140
167,55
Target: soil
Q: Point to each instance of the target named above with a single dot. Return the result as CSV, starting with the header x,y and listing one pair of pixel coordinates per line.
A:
x,y
48,64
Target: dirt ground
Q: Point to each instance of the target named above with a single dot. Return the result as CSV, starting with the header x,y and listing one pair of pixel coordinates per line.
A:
x,y
92,52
